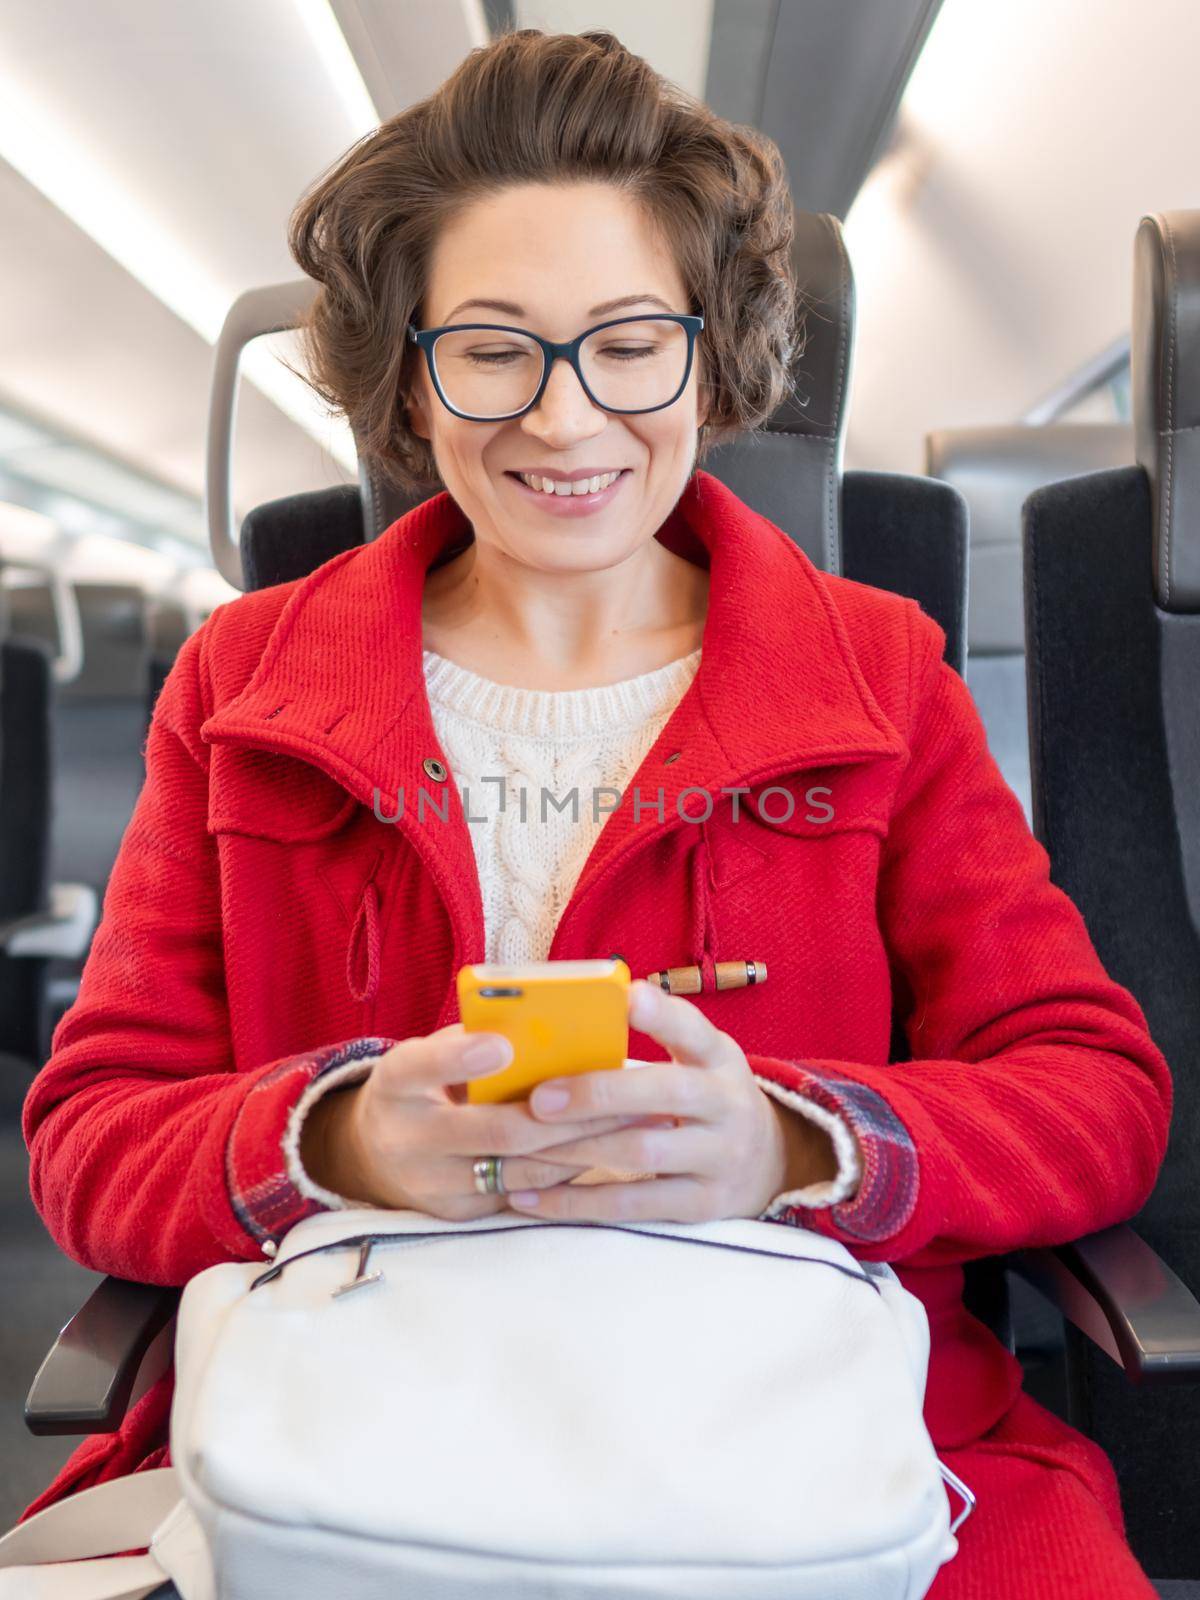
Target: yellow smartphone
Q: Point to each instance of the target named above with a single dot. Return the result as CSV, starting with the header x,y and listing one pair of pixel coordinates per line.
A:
x,y
561,1017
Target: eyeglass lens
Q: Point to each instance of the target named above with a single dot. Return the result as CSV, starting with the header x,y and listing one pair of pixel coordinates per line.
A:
x,y
630,367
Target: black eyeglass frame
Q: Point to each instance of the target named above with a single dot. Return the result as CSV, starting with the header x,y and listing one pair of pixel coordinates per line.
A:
x,y
569,351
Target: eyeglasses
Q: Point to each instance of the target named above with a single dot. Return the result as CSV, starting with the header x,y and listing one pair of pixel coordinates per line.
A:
x,y
489,372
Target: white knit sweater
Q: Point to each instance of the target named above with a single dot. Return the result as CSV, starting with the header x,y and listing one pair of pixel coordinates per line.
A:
x,y
538,771
516,755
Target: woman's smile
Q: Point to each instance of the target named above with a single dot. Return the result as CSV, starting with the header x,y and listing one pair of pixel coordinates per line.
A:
x,y
572,504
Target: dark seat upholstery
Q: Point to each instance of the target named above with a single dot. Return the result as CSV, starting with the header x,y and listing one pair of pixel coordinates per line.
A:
x,y
26,700
98,722
1112,595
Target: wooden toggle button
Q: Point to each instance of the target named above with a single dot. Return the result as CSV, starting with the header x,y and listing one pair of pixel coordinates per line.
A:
x,y
729,975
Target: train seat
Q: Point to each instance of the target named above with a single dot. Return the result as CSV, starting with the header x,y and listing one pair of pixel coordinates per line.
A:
x,y
995,469
1112,624
902,533
43,921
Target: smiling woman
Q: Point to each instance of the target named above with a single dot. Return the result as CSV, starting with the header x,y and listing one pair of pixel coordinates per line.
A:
x,y
559,270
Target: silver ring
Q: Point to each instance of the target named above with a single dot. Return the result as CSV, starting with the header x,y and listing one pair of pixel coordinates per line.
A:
x,y
488,1177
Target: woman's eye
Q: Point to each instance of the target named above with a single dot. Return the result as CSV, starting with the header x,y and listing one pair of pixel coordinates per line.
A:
x,y
491,358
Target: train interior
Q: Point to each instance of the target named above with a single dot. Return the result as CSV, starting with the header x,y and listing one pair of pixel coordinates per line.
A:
x,y
995,412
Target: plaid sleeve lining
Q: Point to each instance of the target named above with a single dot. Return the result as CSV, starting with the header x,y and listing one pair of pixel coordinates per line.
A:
x,y
845,1183
265,1199
887,1189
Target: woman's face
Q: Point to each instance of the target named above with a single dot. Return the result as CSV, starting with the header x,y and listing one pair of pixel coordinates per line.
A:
x,y
559,257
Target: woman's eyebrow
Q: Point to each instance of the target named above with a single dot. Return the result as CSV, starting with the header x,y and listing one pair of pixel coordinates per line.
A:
x,y
509,309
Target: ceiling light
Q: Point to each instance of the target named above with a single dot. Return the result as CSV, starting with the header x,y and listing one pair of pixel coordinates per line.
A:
x,y
35,143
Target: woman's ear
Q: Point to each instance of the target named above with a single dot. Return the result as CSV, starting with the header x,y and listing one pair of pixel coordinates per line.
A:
x,y
703,394
418,419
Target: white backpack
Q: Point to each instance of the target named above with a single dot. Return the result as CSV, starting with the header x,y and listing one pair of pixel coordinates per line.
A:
x,y
401,1406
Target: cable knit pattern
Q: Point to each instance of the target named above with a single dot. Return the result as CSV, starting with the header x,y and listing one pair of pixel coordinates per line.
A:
x,y
519,755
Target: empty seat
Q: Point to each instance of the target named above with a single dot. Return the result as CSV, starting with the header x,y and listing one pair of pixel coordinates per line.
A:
x,y
994,469
1112,596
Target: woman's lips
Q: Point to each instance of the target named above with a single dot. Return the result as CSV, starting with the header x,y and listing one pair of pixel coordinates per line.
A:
x,y
569,505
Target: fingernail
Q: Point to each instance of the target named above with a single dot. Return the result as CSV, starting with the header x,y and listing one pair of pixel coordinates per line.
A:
x,y
523,1197
550,1099
485,1053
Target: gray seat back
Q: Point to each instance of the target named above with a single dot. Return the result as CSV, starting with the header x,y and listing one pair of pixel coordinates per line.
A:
x,y
995,469
1112,622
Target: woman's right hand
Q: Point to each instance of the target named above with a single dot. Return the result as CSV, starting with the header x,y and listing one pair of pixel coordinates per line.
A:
x,y
405,1138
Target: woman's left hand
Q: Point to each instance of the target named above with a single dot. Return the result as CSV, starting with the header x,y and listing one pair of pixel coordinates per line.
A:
x,y
718,1141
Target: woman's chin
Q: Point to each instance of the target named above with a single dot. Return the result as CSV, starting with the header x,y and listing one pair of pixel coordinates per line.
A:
x,y
577,545
575,555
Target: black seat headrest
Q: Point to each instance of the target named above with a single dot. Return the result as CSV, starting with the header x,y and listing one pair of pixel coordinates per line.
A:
x,y
1165,355
799,496
798,489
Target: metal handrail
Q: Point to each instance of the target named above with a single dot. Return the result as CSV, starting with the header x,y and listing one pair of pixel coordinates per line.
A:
x,y
273,309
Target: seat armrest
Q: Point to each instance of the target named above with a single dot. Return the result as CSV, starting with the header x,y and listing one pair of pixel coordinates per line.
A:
x,y
65,930
1114,1288
85,1383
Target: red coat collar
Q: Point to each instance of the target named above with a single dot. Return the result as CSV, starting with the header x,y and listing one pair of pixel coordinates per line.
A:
x,y
340,683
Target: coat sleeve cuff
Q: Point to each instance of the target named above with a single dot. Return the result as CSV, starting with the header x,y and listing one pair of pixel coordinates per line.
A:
x,y
849,1168
268,1189
354,1070
879,1202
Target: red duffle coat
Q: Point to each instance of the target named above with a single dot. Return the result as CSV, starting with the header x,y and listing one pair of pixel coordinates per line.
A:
x,y
260,910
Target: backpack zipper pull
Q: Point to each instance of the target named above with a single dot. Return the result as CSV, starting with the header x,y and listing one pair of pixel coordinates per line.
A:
x,y
361,1276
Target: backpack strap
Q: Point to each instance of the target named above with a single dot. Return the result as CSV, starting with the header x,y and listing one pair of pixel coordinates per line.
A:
x,y
67,1551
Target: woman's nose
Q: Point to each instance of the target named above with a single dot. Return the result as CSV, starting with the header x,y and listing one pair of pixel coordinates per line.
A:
x,y
564,412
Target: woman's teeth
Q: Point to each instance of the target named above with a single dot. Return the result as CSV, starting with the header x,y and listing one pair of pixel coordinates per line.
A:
x,y
583,486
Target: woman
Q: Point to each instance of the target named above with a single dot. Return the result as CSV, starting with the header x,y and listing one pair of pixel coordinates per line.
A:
x,y
267,1021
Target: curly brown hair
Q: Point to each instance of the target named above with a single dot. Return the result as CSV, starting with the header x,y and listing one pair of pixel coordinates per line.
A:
x,y
553,108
